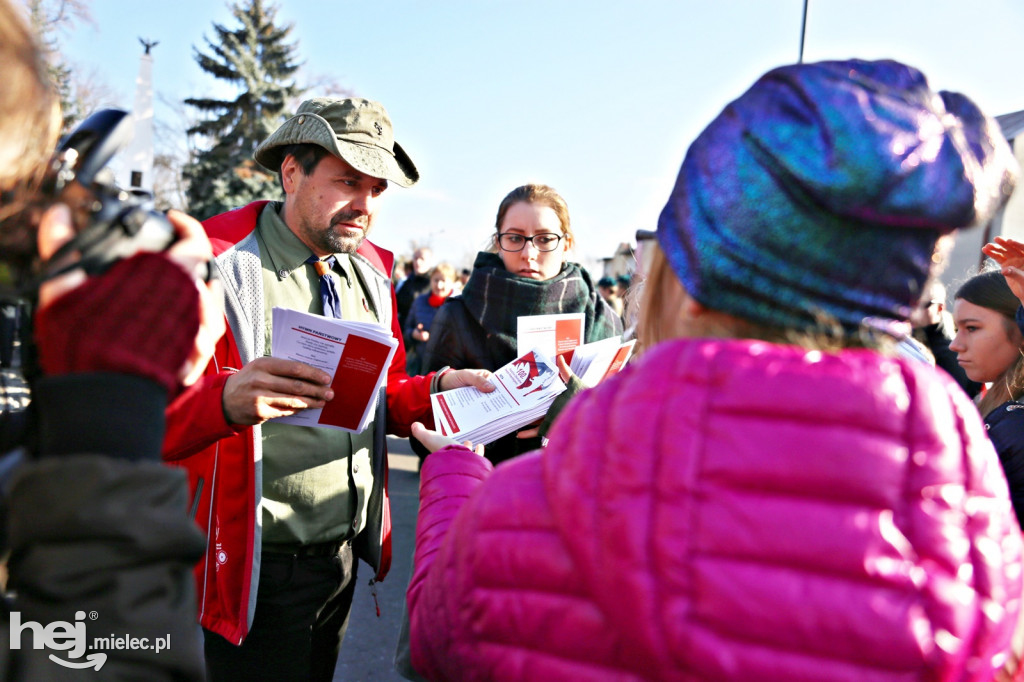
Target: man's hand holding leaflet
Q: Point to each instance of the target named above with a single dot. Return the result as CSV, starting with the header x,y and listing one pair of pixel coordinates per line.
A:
x,y
356,354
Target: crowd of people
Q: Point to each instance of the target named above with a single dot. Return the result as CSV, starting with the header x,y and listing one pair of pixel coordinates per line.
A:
x,y
790,481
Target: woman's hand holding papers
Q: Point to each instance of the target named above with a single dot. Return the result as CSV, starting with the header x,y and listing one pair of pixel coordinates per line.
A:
x,y
434,441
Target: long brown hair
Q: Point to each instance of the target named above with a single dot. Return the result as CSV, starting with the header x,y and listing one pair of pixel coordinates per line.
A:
x,y
990,290
29,125
29,108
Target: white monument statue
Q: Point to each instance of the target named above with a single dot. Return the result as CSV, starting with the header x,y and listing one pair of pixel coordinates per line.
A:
x,y
136,161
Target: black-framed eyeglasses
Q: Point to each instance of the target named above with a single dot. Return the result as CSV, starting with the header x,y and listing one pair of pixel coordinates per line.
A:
x,y
547,241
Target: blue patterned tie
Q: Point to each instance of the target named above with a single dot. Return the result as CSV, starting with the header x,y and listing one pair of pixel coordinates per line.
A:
x,y
328,289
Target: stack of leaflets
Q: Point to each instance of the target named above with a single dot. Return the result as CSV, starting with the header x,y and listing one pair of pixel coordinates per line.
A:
x,y
526,387
523,391
562,334
356,355
595,362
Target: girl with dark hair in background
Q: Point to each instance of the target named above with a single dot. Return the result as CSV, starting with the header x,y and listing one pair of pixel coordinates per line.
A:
x,y
989,345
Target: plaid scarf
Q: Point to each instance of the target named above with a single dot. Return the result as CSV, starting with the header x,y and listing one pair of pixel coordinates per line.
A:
x,y
496,298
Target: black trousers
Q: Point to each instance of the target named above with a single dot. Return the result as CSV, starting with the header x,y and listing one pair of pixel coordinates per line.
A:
x,y
302,611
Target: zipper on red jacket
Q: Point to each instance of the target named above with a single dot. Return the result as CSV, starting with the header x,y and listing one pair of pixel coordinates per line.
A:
x,y
195,500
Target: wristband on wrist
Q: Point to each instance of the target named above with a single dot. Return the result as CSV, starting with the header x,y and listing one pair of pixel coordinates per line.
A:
x,y
435,382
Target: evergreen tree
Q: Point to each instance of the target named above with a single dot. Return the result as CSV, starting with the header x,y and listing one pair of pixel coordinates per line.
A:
x,y
256,59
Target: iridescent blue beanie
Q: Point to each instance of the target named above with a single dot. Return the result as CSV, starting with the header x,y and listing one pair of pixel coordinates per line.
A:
x,y
820,194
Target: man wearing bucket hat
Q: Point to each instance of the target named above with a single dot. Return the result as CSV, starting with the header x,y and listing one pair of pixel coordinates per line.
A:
x,y
288,509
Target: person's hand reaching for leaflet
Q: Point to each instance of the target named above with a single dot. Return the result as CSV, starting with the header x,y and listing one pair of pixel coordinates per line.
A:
x,y
1009,253
434,441
152,315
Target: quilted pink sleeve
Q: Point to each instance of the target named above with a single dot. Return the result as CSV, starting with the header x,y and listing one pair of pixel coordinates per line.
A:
x,y
448,478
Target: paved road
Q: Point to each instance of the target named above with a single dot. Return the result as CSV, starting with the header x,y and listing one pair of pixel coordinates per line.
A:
x,y
368,650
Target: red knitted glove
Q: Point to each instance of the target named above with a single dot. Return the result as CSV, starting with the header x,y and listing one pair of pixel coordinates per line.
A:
x,y
140,317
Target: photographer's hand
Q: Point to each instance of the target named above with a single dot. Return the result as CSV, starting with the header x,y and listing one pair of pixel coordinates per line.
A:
x,y
138,317
56,229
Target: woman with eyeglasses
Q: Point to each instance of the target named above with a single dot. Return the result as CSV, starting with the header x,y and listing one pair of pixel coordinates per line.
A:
x,y
525,272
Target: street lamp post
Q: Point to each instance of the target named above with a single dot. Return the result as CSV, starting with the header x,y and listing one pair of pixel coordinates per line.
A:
x,y
803,32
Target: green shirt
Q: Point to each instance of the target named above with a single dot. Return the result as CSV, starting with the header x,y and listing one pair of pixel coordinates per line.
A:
x,y
316,481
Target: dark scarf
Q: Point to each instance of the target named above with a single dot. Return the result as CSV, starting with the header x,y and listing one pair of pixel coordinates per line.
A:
x,y
496,298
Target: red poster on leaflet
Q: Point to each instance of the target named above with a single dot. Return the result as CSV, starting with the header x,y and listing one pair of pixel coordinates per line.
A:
x,y
567,336
355,382
619,360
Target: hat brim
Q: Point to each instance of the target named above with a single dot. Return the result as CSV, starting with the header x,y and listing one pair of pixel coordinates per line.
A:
x,y
365,158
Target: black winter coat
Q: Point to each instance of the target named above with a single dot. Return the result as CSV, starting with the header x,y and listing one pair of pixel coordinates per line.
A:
x,y
1005,426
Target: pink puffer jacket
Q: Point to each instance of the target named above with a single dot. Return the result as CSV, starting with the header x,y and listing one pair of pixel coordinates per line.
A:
x,y
727,510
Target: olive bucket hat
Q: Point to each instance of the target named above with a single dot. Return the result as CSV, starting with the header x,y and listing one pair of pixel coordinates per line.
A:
x,y
358,131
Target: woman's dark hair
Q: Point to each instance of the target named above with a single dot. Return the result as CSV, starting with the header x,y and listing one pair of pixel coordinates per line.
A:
x,y
990,290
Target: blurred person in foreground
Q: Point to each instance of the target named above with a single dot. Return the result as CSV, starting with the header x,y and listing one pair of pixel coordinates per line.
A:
x,y
101,545
770,492
289,509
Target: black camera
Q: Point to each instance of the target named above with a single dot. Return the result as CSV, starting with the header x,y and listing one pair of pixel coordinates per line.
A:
x,y
110,224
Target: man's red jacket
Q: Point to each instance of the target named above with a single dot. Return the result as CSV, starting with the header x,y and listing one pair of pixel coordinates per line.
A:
x,y
224,462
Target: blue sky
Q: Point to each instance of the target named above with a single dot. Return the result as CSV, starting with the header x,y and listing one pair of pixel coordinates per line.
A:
x,y
597,98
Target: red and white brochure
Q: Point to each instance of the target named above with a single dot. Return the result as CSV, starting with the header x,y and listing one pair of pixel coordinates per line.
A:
x,y
596,361
524,390
552,335
355,354
526,387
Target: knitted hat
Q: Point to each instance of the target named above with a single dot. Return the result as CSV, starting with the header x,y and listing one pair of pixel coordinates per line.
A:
x,y
822,190
355,130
